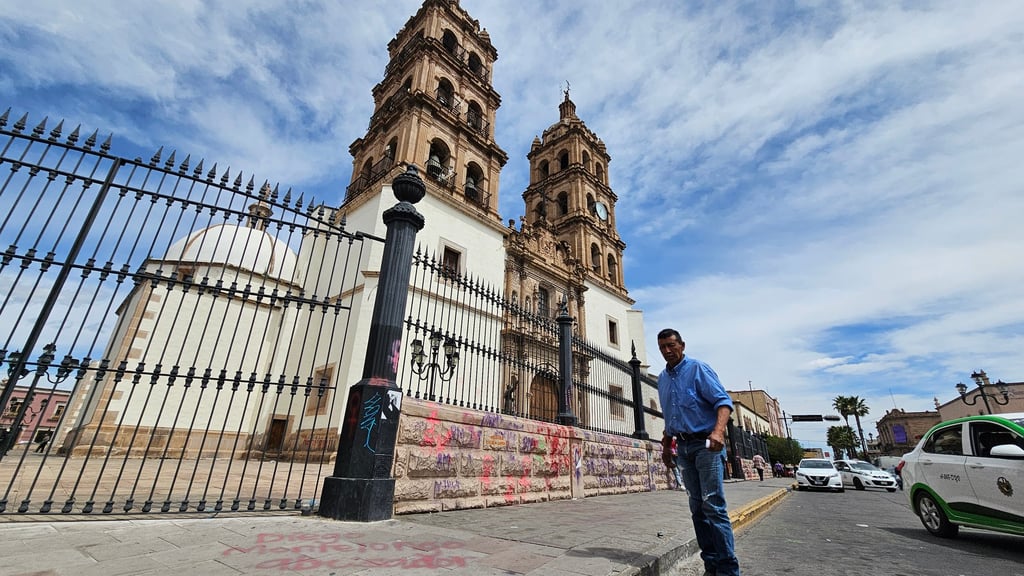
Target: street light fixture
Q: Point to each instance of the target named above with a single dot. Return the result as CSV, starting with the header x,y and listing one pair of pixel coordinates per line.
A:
x,y
981,379
433,369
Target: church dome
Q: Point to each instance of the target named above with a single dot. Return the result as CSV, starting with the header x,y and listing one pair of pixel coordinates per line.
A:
x,y
243,247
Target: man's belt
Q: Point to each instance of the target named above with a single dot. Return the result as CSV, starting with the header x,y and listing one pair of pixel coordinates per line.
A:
x,y
684,437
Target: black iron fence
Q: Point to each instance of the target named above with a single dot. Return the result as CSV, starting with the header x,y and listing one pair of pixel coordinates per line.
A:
x,y
148,331
469,345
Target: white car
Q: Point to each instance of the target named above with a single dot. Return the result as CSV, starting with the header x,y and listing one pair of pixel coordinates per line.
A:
x,y
969,472
818,474
862,475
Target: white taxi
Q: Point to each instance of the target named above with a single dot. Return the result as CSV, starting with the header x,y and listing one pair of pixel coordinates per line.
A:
x,y
969,472
862,475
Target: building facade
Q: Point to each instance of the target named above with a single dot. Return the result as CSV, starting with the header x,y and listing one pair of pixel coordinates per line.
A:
x,y
899,430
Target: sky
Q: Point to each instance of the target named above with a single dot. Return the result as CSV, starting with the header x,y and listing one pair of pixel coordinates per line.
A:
x,y
822,197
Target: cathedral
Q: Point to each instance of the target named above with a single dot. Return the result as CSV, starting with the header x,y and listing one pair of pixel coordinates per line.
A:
x,y
436,109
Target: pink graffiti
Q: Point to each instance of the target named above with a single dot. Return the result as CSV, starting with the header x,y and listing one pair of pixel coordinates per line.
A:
x,y
431,436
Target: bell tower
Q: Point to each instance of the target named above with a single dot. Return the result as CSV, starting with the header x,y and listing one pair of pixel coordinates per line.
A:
x,y
435,108
569,193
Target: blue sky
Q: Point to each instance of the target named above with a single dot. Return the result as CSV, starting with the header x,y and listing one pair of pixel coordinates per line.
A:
x,y
823,197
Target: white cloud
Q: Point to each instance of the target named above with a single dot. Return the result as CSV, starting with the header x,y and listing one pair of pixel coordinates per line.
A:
x,y
822,197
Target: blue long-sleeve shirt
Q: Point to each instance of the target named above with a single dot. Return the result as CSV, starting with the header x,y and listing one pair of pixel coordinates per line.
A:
x,y
690,396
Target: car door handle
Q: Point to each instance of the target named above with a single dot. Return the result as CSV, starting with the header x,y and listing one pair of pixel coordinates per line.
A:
x,y
975,465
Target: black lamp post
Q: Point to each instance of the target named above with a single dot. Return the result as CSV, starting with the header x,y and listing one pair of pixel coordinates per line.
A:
x,y
981,379
433,370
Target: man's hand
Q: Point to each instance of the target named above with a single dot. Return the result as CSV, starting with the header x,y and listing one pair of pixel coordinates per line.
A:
x,y
666,452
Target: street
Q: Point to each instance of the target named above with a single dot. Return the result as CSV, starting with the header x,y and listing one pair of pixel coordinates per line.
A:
x,y
858,533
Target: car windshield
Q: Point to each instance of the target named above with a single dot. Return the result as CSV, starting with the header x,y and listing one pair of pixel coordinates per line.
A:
x,y
863,466
816,464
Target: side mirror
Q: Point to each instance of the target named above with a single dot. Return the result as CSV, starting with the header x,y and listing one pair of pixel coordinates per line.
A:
x,y
1007,451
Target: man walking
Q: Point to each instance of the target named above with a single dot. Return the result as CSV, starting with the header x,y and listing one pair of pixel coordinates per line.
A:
x,y
697,409
759,466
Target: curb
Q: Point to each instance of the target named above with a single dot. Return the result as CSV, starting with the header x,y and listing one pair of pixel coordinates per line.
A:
x,y
668,559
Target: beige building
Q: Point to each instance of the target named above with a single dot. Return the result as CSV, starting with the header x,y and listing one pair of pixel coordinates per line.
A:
x,y
765,415
972,403
899,430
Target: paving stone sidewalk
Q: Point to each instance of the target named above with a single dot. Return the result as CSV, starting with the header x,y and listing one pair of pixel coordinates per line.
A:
x,y
644,533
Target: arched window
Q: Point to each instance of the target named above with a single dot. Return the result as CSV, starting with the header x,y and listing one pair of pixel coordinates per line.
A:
x,y
586,161
541,210
613,270
563,160
563,203
474,186
391,149
474,116
438,161
450,43
475,65
599,170
445,93
367,166
407,85
590,203
543,169
595,258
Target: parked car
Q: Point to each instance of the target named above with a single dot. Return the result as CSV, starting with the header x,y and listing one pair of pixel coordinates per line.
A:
x,y
862,475
969,472
818,474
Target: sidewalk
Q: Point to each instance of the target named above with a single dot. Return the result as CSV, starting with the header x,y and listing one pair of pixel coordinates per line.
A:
x,y
643,533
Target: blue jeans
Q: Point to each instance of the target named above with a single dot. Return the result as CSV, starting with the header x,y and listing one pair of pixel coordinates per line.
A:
x,y
703,470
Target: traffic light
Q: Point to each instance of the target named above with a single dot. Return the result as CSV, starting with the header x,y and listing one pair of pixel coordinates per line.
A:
x,y
806,417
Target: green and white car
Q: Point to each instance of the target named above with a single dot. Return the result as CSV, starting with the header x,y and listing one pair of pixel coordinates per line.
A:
x,y
969,472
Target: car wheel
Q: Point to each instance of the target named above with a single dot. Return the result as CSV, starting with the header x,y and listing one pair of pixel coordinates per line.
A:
x,y
841,490
857,484
891,489
933,518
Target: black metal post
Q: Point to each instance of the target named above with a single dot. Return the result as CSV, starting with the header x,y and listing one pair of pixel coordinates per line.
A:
x,y
737,464
640,430
362,488
565,392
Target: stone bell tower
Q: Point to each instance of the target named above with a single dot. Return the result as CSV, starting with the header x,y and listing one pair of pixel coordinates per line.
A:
x,y
569,192
435,108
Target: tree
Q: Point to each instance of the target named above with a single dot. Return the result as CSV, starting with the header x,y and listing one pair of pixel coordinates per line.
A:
x,y
858,408
785,450
845,406
842,440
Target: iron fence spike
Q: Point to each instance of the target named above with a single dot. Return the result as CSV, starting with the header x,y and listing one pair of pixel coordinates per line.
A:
x,y
237,186
274,194
91,140
55,133
264,190
212,173
20,124
298,203
73,137
170,160
288,196
183,168
106,143
251,185
225,176
40,128
156,157
198,169
3,118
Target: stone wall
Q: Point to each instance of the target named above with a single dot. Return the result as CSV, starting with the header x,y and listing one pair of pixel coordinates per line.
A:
x,y
449,458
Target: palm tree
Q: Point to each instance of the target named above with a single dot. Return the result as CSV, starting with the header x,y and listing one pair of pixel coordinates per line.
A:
x,y
844,405
840,438
858,408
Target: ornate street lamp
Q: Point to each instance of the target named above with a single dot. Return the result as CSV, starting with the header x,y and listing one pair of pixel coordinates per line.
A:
x,y
433,370
981,379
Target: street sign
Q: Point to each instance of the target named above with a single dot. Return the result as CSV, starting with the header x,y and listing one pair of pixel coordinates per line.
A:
x,y
833,418
806,417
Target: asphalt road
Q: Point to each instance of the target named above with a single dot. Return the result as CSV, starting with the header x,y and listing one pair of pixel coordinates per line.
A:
x,y
870,533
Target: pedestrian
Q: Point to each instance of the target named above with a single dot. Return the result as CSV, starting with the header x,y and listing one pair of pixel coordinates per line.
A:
x,y
697,409
677,470
43,441
759,466
778,469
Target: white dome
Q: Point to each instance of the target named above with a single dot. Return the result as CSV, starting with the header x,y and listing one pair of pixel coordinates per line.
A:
x,y
237,246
